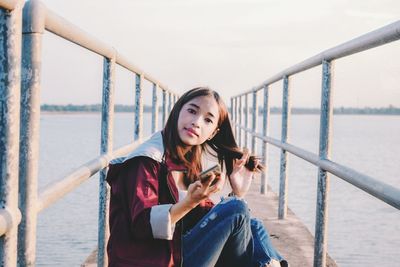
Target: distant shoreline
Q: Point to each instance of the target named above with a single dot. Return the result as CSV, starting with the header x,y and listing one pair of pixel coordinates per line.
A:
x,y
96,108
45,112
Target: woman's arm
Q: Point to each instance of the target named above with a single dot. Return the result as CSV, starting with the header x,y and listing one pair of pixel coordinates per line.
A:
x,y
140,194
241,177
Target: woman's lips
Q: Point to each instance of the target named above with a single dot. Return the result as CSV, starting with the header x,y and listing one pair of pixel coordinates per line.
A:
x,y
191,132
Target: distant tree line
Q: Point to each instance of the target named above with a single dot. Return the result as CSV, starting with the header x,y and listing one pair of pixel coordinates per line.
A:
x,y
89,108
390,110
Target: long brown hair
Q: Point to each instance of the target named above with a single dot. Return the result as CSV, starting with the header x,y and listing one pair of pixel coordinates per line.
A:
x,y
223,144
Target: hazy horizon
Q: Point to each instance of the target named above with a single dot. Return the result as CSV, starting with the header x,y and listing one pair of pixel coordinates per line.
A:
x,y
272,107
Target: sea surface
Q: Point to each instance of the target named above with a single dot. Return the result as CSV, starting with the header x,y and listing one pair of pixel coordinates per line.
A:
x,y
363,231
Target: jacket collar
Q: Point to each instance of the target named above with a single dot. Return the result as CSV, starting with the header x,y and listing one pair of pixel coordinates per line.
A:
x,y
153,148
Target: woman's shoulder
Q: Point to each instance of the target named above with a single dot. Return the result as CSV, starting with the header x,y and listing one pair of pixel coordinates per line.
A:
x,y
137,166
141,161
153,148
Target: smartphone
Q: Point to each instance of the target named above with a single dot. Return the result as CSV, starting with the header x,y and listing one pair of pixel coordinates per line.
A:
x,y
206,175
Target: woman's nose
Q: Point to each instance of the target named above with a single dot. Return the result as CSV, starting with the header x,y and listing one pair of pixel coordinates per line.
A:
x,y
196,122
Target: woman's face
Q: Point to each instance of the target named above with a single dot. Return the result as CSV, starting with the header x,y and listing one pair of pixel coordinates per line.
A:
x,y
198,120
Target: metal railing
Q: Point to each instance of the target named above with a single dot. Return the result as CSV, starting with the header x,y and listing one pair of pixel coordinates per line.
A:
x,y
24,23
372,186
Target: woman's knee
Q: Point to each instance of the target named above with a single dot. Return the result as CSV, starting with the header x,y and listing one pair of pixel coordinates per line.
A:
x,y
257,224
236,206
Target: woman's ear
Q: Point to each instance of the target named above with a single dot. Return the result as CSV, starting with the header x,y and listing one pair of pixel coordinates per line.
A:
x,y
213,134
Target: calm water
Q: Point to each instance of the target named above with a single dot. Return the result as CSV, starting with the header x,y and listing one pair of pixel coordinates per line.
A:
x,y
362,231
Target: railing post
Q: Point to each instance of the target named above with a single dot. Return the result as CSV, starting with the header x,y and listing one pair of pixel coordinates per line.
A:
x,y
246,119
33,28
169,102
10,82
164,107
231,109
138,108
240,121
235,118
107,121
283,181
154,110
264,177
321,219
254,122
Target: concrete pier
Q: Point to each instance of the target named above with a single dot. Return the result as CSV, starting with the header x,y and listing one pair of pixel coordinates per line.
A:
x,y
290,236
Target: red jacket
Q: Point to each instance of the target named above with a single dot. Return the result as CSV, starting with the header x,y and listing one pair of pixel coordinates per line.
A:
x,y
134,190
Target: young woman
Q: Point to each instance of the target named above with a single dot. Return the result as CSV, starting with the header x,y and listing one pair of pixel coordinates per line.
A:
x,y
161,213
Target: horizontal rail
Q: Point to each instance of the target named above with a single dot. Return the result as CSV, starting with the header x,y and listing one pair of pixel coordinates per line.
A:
x,y
6,220
9,4
378,189
59,189
63,28
124,62
381,36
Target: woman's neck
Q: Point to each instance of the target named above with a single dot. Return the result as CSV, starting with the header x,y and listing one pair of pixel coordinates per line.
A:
x,y
186,149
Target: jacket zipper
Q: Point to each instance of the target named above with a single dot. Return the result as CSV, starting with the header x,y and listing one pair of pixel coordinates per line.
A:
x,y
181,243
170,191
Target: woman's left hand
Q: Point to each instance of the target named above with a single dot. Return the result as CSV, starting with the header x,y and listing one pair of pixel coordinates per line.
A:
x,y
241,177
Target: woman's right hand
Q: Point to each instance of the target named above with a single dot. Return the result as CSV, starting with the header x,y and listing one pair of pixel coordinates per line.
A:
x,y
196,192
199,191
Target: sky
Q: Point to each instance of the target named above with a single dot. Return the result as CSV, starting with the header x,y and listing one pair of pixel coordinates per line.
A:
x,y
230,46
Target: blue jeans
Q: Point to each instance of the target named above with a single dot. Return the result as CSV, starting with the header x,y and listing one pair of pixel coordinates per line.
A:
x,y
264,251
227,236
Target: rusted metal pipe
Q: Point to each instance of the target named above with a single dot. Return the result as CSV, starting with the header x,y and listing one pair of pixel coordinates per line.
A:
x,y
33,28
283,180
154,109
234,117
254,122
138,108
240,121
264,177
246,118
164,108
321,217
231,111
107,122
169,102
9,4
8,220
10,82
68,183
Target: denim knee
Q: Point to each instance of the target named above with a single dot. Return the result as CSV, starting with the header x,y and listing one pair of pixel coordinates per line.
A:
x,y
258,224
237,206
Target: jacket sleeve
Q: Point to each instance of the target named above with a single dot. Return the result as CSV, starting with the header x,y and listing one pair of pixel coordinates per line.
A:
x,y
148,219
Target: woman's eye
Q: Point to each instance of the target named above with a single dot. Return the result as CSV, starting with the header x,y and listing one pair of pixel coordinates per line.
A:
x,y
190,110
209,120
